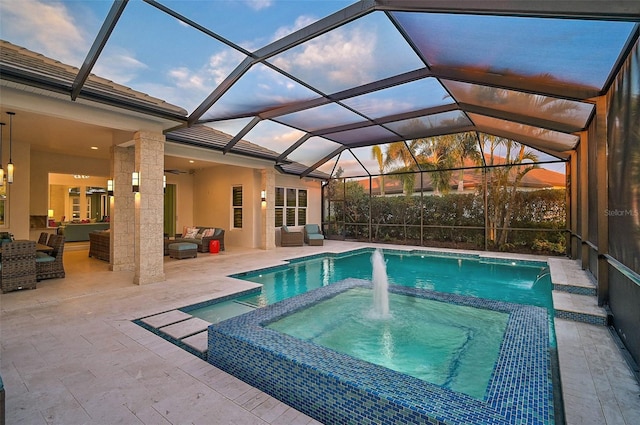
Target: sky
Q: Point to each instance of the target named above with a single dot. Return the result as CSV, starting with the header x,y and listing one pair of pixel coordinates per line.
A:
x,y
152,52
157,54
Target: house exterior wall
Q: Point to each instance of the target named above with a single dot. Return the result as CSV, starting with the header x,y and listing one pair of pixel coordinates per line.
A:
x,y
184,199
212,201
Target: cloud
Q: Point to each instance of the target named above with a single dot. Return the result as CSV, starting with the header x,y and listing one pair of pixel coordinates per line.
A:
x,y
288,138
259,4
221,64
345,56
45,27
300,22
119,65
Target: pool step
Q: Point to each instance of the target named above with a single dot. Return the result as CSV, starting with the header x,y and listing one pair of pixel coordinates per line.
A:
x,y
568,276
182,329
579,308
574,293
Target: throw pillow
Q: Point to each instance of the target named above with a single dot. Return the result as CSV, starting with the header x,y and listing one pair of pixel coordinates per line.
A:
x,y
207,233
191,233
285,229
217,231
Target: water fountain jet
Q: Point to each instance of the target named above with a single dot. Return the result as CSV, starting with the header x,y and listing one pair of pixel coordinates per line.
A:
x,y
380,285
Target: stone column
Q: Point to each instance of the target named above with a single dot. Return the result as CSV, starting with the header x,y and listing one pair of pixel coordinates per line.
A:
x,y
149,208
122,207
268,212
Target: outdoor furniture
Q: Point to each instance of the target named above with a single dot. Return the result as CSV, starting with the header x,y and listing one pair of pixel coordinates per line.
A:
x,y
181,250
203,237
43,248
289,238
44,236
50,266
99,245
18,266
313,235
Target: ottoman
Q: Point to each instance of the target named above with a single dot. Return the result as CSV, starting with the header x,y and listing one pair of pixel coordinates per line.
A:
x,y
182,250
317,240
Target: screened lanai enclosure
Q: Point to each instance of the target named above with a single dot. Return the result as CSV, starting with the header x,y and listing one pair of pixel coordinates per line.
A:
x,y
487,125
465,190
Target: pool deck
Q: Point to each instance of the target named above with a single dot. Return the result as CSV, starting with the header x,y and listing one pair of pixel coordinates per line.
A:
x,y
70,353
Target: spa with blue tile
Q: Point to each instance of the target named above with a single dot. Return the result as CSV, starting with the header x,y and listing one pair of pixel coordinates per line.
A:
x,y
335,388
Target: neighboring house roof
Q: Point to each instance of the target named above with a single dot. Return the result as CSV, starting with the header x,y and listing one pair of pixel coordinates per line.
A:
x,y
538,178
19,64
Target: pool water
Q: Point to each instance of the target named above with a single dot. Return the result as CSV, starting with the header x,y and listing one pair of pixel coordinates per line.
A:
x,y
501,280
453,346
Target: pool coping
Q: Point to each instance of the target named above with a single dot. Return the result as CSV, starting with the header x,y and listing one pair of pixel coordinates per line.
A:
x,y
336,388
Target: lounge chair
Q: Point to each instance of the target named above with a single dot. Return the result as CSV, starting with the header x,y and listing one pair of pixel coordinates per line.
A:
x,y
313,235
289,238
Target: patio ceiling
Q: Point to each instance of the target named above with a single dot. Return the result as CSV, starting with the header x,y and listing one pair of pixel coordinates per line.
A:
x,y
376,72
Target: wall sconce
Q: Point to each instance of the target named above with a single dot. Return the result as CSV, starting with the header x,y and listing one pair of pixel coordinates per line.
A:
x,y
50,213
135,181
109,187
263,197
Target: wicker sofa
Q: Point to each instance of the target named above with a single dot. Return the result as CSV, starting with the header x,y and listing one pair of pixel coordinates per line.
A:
x,y
18,266
99,244
202,241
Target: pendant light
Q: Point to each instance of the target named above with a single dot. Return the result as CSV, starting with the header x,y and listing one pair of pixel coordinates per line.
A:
x,y
10,164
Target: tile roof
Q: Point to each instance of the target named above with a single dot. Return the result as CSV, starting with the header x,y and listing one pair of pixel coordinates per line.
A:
x,y
16,59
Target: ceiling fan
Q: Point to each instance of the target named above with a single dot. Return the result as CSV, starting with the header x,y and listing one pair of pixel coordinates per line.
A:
x,y
175,171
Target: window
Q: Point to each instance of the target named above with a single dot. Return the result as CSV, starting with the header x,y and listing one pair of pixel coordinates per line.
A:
x,y
236,201
291,207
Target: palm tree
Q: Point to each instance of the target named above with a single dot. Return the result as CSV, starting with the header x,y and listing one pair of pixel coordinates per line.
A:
x,y
378,155
466,148
400,159
505,182
435,155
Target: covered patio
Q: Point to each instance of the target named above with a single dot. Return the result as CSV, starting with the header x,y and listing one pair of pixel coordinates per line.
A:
x,y
304,100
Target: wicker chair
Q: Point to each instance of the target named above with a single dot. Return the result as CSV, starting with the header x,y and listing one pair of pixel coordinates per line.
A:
x,y
52,269
99,245
44,236
313,235
289,238
18,266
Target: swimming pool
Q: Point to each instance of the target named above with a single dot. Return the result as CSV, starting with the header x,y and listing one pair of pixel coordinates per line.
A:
x,y
285,367
522,282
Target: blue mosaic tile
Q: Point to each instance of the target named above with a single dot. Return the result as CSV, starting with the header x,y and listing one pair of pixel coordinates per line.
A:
x,y
335,388
579,290
581,317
